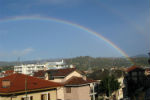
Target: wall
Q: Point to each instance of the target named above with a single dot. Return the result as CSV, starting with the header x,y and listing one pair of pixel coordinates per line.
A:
x,y
60,93
74,73
78,93
36,96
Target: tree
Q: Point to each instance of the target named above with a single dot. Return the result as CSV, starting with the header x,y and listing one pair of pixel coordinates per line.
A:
x,y
108,85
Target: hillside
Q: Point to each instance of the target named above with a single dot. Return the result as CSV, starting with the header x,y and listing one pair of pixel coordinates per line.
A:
x,y
86,62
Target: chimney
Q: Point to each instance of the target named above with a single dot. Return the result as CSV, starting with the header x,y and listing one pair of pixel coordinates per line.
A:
x,y
5,83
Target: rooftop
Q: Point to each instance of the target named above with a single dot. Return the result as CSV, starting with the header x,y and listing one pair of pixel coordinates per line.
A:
x,y
133,68
61,72
17,83
78,81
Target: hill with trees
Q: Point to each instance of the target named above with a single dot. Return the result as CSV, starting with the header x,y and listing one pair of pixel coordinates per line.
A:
x,y
86,62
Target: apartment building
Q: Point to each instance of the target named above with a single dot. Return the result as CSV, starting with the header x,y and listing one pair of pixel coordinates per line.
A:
x,y
29,69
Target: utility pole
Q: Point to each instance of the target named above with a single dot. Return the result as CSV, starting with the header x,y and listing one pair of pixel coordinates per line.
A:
x,y
26,87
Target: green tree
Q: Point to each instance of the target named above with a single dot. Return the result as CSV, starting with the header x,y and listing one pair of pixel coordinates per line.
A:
x,y
108,85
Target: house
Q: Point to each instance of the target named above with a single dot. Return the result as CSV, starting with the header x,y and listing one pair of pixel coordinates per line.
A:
x,y
135,82
136,74
76,85
19,87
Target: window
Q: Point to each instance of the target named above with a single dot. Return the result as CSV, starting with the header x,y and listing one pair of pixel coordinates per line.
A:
x,y
68,89
27,98
134,73
51,77
45,96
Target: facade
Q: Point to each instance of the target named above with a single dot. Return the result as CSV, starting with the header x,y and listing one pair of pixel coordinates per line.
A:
x,y
29,69
57,65
76,85
135,82
19,87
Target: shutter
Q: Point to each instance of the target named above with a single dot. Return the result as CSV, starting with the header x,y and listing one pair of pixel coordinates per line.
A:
x,y
31,97
48,96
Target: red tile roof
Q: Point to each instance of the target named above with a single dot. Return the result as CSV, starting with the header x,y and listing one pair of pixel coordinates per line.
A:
x,y
61,72
132,68
78,81
17,83
8,72
39,74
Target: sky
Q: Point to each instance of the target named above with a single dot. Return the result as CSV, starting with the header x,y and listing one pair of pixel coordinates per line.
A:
x,y
125,23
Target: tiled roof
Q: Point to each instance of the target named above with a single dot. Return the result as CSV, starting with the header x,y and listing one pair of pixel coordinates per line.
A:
x,y
39,74
132,68
61,72
9,72
78,81
17,83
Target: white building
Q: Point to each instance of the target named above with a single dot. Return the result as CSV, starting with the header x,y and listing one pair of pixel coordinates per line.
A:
x,y
56,65
29,69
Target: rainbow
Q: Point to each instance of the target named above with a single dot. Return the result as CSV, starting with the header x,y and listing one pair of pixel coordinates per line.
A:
x,y
98,35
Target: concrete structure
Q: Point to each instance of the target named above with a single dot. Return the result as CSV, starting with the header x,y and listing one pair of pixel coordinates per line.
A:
x,y
57,65
29,69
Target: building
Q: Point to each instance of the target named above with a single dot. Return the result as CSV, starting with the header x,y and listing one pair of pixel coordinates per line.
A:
x,y
136,74
76,85
57,65
29,69
19,87
135,82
